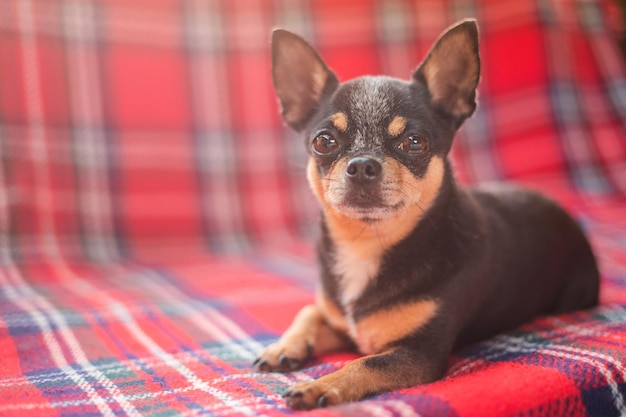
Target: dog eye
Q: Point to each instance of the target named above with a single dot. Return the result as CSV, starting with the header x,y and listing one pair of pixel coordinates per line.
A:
x,y
324,144
413,145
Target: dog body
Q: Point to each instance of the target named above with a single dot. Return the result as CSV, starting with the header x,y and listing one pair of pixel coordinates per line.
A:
x,y
412,265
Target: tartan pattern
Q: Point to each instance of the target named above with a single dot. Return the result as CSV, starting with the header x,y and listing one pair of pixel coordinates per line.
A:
x,y
155,219
154,339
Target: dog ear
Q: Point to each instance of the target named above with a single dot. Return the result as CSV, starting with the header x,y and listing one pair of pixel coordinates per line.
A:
x,y
451,70
301,78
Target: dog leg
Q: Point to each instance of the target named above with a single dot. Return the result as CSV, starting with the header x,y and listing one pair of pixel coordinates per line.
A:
x,y
369,375
308,335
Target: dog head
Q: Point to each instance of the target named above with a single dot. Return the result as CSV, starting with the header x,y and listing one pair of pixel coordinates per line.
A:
x,y
377,144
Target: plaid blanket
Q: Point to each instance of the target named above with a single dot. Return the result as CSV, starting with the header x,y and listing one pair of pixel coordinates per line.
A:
x,y
155,223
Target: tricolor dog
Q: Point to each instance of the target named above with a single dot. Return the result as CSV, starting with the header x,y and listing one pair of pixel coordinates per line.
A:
x,y
412,264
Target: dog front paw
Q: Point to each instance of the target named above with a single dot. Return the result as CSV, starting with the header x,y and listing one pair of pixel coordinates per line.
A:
x,y
283,356
314,394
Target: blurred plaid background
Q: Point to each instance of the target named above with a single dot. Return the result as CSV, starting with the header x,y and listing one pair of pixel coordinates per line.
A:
x,y
128,125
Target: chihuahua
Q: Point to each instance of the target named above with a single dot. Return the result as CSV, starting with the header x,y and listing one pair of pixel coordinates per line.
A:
x,y
412,265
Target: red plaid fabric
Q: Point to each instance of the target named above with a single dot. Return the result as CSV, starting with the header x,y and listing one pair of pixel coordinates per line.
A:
x,y
155,222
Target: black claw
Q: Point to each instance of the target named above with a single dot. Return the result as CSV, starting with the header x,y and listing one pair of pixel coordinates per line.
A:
x,y
257,360
322,402
284,362
288,364
292,394
264,366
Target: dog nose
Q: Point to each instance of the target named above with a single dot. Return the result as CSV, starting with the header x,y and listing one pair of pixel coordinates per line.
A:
x,y
362,169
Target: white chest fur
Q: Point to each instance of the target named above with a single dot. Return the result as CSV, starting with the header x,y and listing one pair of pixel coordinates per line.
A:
x,y
355,268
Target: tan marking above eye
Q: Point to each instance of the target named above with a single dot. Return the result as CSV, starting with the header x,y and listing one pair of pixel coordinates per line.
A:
x,y
397,126
340,121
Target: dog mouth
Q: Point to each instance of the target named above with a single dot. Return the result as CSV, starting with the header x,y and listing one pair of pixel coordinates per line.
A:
x,y
371,215
368,206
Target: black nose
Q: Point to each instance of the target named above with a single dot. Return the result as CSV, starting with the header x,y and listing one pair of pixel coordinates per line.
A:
x,y
362,169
